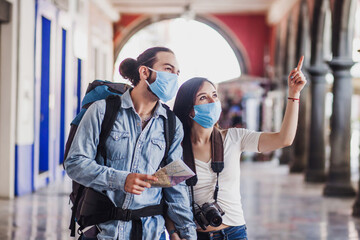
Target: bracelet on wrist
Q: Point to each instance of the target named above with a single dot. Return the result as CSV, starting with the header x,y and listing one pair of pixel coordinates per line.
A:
x,y
294,99
171,232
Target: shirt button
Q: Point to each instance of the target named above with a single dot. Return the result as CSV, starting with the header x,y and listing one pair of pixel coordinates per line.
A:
x,y
139,146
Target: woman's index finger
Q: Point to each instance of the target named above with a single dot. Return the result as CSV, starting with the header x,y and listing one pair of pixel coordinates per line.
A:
x,y
299,66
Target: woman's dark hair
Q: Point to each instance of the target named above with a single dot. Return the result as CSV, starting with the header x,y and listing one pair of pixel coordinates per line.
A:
x,y
185,100
129,67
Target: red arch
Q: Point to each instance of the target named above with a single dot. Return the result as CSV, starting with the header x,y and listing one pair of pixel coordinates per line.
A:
x,y
250,33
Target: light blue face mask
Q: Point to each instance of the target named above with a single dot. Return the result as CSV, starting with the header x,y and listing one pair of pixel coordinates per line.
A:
x,y
207,114
165,85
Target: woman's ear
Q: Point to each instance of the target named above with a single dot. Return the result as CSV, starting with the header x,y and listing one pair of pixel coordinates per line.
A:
x,y
192,113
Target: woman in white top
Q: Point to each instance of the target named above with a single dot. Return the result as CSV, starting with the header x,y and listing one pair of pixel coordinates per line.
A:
x,y
198,107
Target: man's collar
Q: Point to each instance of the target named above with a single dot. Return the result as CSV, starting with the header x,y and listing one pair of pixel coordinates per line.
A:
x,y
126,102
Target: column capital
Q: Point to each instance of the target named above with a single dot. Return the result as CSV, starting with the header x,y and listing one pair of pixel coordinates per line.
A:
x,y
341,63
318,70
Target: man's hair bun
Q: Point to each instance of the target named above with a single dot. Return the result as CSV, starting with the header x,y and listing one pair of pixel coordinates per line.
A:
x,y
129,70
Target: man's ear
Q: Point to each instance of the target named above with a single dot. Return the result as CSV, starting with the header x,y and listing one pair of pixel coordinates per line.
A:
x,y
144,73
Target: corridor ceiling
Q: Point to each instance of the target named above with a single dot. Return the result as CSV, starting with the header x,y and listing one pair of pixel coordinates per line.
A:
x,y
273,9
197,6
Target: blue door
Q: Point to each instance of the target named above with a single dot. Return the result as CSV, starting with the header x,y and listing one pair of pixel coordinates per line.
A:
x,y
62,96
44,99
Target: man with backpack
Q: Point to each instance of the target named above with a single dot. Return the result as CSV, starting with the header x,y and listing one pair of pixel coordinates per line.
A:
x,y
117,198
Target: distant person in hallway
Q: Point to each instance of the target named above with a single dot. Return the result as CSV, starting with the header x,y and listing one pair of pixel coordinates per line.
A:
x,y
219,213
135,149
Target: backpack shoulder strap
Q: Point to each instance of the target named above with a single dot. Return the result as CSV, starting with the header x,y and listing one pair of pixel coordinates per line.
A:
x,y
169,131
113,104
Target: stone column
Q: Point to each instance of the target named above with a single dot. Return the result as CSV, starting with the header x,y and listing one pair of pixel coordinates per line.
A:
x,y
300,145
287,152
338,183
315,170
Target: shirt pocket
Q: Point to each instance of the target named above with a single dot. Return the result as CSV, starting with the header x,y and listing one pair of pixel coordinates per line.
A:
x,y
117,145
156,149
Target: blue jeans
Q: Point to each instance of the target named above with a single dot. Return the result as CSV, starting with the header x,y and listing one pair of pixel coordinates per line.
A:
x,y
163,237
88,238
229,233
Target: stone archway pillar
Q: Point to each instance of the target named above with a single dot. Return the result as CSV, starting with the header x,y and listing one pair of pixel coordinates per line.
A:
x,y
338,182
339,178
315,170
288,152
300,151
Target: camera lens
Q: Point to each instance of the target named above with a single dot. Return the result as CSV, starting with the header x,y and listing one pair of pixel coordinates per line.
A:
x,y
214,218
216,221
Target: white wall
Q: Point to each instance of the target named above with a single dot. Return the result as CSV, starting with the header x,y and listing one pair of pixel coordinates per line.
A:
x,y
19,110
8,79
100,38
25,89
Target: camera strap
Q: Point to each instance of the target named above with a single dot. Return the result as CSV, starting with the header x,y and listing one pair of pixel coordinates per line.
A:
x,y
217,159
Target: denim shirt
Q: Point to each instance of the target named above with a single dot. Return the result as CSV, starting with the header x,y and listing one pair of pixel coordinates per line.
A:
x,y
130,150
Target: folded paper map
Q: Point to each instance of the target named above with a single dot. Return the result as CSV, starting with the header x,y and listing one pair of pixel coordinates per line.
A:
x,y
172,174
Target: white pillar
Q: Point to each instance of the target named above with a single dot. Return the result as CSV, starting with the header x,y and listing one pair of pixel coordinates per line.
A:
x,y
25,98
8,78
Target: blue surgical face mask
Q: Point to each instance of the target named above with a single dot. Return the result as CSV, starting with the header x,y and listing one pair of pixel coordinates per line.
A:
x,y
165,85
207,114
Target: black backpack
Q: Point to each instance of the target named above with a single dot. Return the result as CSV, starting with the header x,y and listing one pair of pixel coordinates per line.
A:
x,y
110,91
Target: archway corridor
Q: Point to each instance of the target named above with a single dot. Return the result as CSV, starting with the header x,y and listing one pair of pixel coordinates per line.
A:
x,y
51,51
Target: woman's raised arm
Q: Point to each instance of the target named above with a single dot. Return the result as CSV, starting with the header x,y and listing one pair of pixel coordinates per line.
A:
x,y
275,140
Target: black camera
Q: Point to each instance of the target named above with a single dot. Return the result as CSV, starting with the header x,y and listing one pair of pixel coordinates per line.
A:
x,y
208,214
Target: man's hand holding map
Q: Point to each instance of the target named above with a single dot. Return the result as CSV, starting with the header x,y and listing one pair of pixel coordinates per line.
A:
x,y
172,174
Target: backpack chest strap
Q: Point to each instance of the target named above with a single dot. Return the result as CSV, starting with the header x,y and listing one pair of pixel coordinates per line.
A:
x,y
98,208
135,215
129,214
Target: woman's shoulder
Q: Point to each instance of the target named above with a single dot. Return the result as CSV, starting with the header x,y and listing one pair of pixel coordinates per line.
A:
x,y
230,131
235,134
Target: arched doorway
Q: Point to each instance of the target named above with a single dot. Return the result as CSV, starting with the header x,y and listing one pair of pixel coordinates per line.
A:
x,y
201,46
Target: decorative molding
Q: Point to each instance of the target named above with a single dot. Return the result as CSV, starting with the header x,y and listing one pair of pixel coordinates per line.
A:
x,y
107,9
278,10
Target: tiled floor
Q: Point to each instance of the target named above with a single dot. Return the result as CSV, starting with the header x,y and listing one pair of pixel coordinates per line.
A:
x,y
276,205
281,206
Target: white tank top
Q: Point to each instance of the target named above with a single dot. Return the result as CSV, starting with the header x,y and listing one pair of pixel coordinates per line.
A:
x,y
236,141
